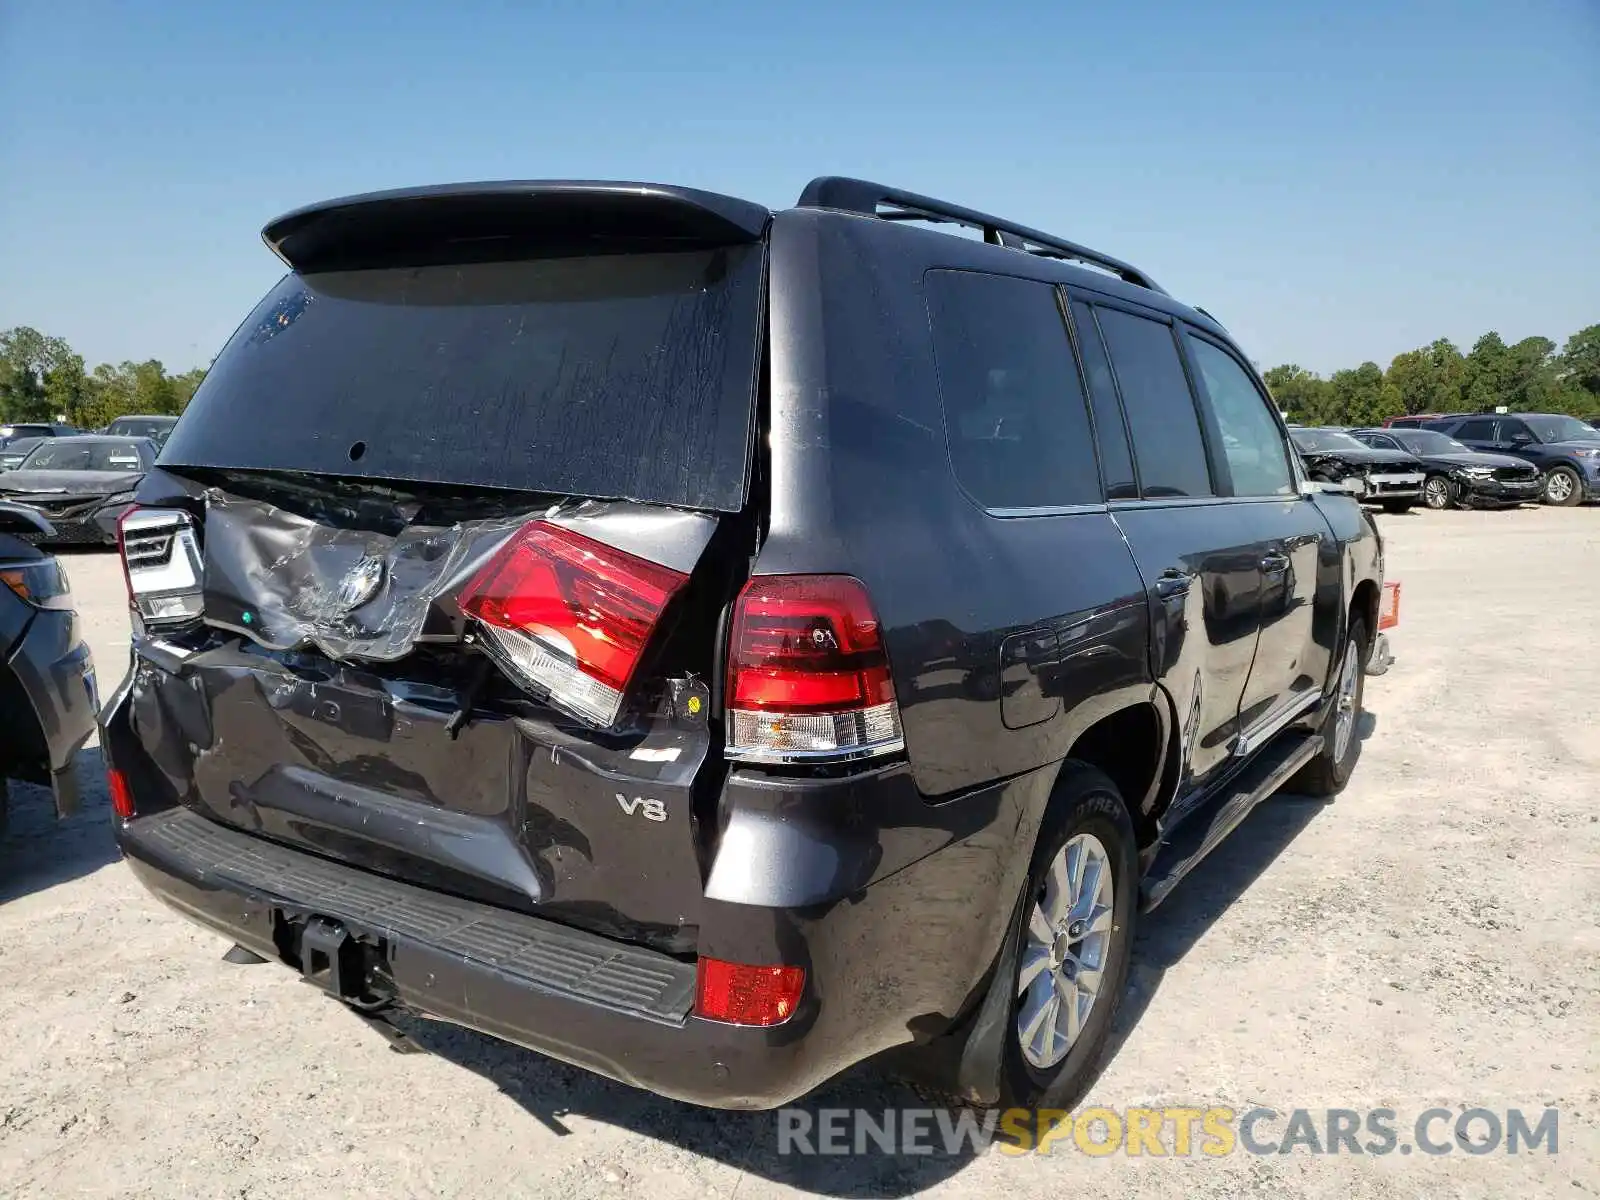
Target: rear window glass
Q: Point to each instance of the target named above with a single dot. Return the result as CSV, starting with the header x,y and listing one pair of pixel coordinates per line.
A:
x,y
134,428
626,376
1015,419
58,454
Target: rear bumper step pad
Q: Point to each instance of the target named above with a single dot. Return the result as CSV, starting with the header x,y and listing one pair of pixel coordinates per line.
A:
x,y
538,954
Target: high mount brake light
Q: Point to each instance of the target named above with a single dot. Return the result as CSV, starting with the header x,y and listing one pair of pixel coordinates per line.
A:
x,y
161,564
808,678
569,616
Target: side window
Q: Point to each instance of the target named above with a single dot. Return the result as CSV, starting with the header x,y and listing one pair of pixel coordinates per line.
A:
x,y
1014,414
1167,443
1116,460
1516,431
1251,442
1481,430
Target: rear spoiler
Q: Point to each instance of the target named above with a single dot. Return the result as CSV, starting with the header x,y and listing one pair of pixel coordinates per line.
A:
x,y
457,221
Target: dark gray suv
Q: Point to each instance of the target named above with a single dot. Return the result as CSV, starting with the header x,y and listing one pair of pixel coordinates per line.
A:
x,y
712,645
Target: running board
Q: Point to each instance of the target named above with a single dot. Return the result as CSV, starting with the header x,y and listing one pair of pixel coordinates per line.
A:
x,y
1202,832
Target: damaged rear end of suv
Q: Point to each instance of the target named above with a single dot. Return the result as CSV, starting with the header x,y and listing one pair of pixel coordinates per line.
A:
x,y
715,646
431,592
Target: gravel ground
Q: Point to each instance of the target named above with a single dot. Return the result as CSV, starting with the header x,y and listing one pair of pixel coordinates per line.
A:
x,y
1432,938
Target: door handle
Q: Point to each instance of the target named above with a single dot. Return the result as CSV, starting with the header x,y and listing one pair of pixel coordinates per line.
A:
x,y
1275,563
1172,583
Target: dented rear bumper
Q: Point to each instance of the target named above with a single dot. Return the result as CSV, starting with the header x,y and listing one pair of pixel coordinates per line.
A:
x,y
816,873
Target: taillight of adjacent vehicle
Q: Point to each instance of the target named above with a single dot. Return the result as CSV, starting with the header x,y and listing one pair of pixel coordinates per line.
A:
x,y
569,616
1389,606
808,678
161,564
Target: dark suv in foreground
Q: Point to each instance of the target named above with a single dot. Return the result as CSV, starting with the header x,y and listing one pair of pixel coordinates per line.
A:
x,y
713,646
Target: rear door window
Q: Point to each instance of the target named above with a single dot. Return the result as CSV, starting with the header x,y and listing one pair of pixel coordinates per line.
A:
x,y
1015,419
621,376
1167,443
1481,430
1116,459
1252,444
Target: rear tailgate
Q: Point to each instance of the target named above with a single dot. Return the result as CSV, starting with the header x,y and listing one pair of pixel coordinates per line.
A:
x,y
393,476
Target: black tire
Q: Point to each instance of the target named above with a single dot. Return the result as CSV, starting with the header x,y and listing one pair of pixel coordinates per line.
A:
x,y
1439,492
1573,487
1085,802
1326,774
1398,506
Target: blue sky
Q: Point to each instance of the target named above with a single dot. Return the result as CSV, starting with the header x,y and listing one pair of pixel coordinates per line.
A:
x,y
1334,185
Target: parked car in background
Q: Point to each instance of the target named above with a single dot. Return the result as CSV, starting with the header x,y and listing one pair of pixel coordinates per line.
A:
x,y
1415,420
1391,478
156,428
81,484
34,429
629,721
47,686
1458,474
13,452
1563,448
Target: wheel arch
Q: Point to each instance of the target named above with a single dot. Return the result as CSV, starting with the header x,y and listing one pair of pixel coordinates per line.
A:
x,y
1133,745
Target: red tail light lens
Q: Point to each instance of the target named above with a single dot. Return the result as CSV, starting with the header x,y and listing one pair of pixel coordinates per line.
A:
x,y
807,674
569,616
746,995
121,797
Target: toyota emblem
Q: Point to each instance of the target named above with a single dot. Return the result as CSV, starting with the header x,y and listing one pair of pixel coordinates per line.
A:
x,y
361,584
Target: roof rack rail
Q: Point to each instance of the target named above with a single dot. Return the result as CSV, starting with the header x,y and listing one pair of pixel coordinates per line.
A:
x,y
892,204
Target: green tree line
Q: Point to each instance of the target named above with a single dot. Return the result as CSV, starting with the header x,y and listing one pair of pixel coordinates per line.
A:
x,y
43,379
1531,376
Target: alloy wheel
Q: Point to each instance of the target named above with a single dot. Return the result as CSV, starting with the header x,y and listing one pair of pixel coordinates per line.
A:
x,y
1345,722
1066,948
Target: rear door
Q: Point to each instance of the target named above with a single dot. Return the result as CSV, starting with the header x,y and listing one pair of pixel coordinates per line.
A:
x,y
1199,554
1476,432
460,535
1290,664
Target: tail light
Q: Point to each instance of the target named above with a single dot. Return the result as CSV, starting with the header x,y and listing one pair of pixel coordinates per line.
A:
x,y
121,797
746,995
808,679
161,564
42,584
568,616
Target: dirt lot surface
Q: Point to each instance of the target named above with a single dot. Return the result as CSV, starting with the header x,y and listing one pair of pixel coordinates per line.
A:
x,y
1431,938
